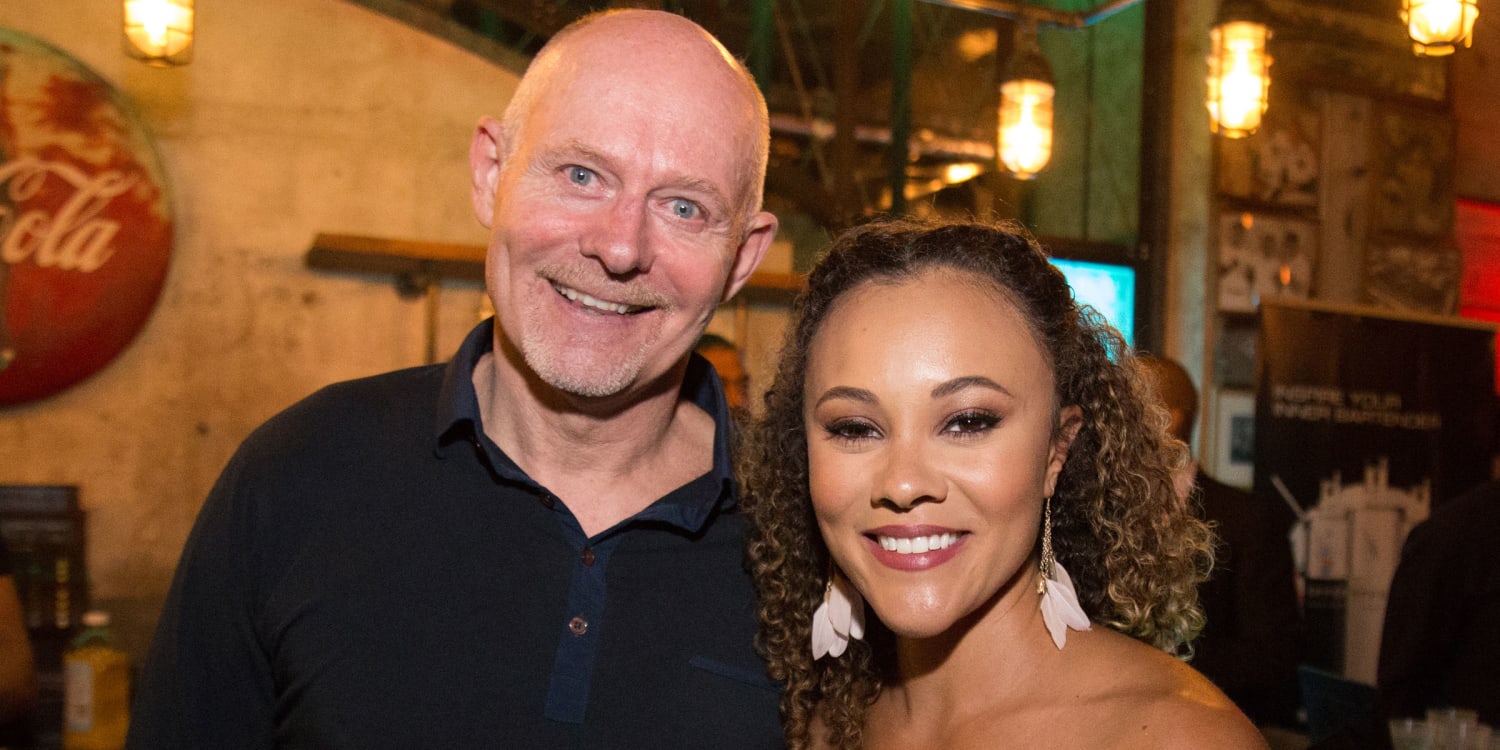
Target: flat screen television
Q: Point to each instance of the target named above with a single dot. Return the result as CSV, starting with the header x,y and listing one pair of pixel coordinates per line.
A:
x,y
1106,287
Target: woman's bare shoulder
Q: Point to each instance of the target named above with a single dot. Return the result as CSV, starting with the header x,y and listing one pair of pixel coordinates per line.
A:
x,y
1160,702
1197,714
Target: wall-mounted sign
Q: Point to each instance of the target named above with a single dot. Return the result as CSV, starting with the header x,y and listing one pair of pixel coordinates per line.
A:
x,y
1366,420
85,221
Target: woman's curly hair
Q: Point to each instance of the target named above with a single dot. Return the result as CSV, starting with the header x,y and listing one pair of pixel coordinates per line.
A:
x,y
1135,550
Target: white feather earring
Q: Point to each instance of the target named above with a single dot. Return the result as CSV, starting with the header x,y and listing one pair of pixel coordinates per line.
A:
x,y
1060,607
840,617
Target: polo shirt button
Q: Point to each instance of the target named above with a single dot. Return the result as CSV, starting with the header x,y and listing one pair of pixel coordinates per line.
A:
x,y
548,501
578,626
588,557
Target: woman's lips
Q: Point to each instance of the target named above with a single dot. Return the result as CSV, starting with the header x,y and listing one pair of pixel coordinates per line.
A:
x,y
914,547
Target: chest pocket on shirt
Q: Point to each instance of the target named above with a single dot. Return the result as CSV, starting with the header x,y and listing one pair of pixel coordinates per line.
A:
x,y
727,707
751,677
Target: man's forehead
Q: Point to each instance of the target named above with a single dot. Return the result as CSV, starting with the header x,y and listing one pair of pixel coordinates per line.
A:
x,y
647,46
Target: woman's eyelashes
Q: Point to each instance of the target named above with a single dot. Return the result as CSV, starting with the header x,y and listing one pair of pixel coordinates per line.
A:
x,y
851,430
971,423
965,425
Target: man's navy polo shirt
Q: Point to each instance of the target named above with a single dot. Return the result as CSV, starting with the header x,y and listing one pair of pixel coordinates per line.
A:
x,y
363,576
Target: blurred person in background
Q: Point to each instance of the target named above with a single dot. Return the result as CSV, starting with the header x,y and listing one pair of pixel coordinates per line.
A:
x,y
18,691
1251,642
725,357
1439,647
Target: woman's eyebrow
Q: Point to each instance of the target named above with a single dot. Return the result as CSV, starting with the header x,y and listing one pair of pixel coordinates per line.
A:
x,y
848,392
968,381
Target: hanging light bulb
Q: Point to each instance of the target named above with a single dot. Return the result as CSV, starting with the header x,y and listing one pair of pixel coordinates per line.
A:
x,y
159,32
1438,26
1239,70
1025,136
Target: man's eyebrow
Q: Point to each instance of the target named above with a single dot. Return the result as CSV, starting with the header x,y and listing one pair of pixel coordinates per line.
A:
x,y
970,381
700,185
576,149
848,392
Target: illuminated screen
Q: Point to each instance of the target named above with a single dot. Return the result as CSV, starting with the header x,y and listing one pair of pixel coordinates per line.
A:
x,y
1106,287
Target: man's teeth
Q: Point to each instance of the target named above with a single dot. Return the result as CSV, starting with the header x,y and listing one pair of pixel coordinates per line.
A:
x,y
597,304
905,545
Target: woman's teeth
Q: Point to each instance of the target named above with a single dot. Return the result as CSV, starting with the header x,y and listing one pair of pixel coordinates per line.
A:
x,y
903,545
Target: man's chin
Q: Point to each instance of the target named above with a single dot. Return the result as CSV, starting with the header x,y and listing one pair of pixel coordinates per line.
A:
x,y
593,377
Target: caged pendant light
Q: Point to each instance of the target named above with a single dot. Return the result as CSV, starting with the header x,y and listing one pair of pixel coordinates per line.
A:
x,y
1239,68
159,32
1437,27
1025,137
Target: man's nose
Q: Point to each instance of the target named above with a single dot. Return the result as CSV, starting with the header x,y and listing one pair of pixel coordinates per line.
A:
x,y
620,238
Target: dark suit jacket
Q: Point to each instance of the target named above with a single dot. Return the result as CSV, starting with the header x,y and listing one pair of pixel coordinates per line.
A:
x,y
1251,643
1441,641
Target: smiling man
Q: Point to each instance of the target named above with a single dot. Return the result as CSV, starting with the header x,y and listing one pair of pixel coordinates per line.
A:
x,y
534,546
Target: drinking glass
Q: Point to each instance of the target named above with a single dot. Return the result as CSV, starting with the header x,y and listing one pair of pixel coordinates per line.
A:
x,y
1410,734
1453,728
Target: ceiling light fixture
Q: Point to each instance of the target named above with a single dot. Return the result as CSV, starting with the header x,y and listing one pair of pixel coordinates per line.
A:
x,y
1437,27
1025,137
1239,69
159,32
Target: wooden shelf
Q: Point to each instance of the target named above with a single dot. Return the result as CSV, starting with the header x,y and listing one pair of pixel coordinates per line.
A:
x,y
416,265
433,260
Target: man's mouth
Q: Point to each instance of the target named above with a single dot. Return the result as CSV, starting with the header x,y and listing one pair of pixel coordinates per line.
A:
x,y
594,303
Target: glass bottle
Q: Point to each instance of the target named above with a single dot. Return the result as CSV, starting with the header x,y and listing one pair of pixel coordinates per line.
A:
x,y
96,687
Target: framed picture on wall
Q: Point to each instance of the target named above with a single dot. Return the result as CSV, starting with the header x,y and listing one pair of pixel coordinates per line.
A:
x,y
1234,438
1234,357
1413,275
1413,163
1280,165
1264,256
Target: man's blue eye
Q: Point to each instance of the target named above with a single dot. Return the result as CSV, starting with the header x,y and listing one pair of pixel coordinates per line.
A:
x,y
580,176
684,209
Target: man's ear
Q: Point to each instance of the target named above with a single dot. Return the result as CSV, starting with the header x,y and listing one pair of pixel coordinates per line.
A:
x,y
759,232
1069,422
486,158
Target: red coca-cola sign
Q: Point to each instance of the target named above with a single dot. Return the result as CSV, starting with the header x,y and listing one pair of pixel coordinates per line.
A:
x,y
85,221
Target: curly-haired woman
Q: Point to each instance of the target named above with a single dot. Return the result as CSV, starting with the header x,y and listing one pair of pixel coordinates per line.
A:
x,y
949,437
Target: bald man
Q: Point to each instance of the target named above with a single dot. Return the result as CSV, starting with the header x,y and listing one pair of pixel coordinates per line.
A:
x,y
1250,645
535,545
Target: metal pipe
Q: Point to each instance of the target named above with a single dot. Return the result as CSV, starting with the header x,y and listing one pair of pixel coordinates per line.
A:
x,y
901,60
1106,10
429,347
923,144
1016,10
762,17
846,198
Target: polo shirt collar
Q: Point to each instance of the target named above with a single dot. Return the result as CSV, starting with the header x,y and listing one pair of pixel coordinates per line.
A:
x,y
458,420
